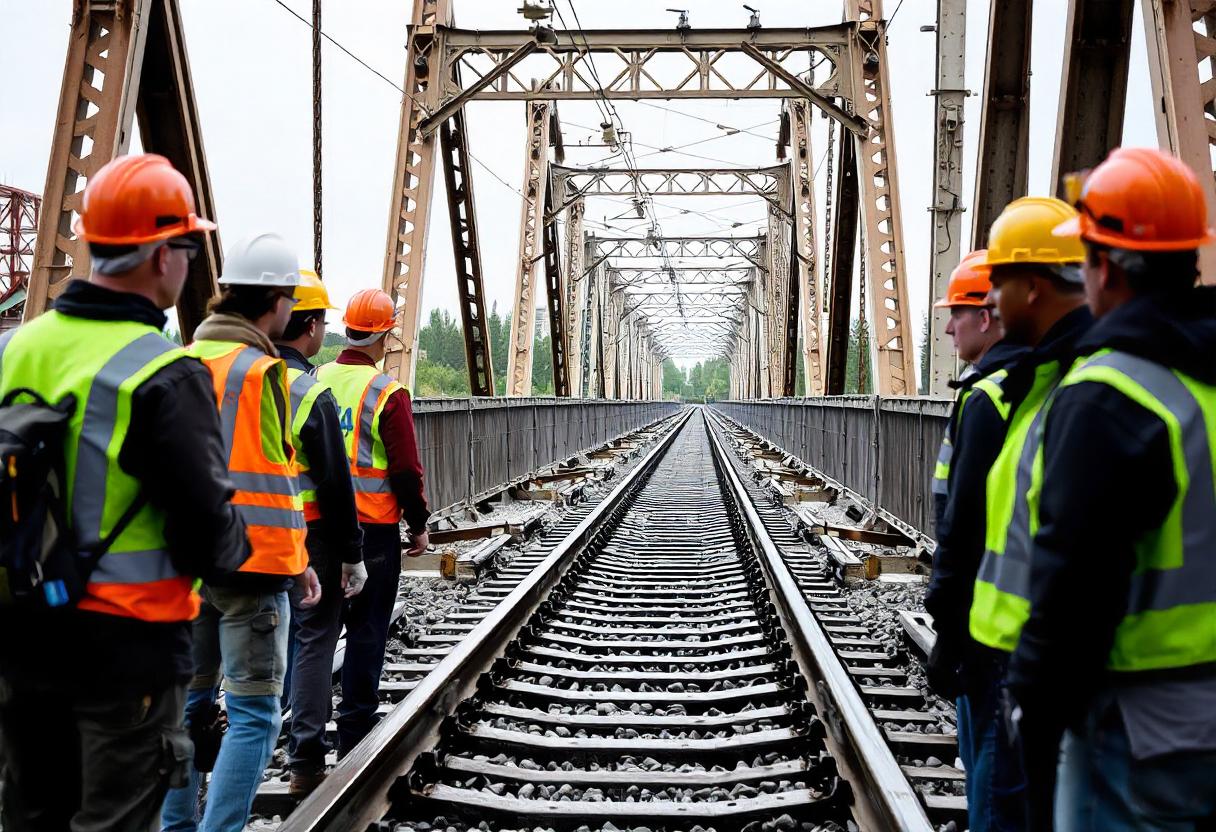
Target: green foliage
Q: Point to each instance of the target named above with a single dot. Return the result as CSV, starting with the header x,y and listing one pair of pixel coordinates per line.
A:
x,y
924,357
673,379
859,344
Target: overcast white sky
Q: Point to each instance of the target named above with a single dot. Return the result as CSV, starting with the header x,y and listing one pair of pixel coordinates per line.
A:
x,y
251,66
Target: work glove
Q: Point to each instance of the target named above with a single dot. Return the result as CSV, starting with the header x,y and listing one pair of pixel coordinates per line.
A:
x,y
207,727
943,670
354,576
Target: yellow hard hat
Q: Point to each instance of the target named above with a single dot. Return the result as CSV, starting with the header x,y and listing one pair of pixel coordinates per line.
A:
x,y
1022,234
311,293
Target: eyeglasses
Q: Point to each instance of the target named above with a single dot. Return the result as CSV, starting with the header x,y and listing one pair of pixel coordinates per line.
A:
x,y
291,299
191,247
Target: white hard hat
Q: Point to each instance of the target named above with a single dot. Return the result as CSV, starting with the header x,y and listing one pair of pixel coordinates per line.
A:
x,y
262,260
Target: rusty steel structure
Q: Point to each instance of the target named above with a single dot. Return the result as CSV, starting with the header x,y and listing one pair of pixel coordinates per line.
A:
x,y
618,306
18,226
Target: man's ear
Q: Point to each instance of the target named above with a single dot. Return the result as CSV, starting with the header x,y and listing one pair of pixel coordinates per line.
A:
x,y
160,260
986,321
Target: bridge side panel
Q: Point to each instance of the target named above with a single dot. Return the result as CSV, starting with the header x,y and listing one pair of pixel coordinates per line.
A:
x,y
882,448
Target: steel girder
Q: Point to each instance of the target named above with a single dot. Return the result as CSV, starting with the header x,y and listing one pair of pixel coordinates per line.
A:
x,y
126,60
880,206
453,139
1005,116
745,248
637,64
945,243
413,186
807,266
1093,91
583,182
1181,36
531,242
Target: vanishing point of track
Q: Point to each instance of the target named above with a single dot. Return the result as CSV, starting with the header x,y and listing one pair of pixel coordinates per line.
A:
x,y
660,668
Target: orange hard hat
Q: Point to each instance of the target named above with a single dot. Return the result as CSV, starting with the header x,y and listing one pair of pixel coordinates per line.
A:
x,y
370,310
137,199
1140,199
969,282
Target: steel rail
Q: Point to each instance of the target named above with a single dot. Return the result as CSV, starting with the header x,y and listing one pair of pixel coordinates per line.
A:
x,y
855,740
355,794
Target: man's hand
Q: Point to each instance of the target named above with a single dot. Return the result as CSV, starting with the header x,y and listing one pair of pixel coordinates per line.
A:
x,y
942,670
354,576
418,543
309,587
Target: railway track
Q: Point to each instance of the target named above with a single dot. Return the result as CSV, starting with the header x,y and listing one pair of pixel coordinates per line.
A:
x,y
660,668
919,728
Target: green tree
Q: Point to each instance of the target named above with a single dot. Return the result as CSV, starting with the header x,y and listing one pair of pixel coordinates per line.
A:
x,y
859,345
674,379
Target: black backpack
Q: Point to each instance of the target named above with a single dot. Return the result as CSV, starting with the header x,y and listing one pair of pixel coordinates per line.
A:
x,y
41,562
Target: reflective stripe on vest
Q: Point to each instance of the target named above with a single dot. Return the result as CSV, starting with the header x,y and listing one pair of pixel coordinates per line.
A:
x,y
1170,620
990,386
253,400
304,390
361,392
102,363
999,606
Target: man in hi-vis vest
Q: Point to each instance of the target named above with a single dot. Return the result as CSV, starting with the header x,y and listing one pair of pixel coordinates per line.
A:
x,y
91,695
375,415
1040,300
1120,640
335,540
241,633
973,438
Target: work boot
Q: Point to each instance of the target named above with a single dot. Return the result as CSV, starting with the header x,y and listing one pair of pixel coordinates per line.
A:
x,y
304,781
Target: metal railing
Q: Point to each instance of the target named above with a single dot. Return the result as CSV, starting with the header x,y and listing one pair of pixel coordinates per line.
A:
x,y
884,449
471,447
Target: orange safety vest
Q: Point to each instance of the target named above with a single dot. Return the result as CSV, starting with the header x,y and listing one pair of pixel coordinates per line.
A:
x,y
362,392
261,460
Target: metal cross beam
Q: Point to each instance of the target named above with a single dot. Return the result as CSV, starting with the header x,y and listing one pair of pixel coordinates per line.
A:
x,y
637,64
747,248
669,181
631,277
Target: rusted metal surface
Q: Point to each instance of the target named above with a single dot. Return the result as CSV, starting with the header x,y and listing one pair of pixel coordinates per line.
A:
x,y
470,447
882,448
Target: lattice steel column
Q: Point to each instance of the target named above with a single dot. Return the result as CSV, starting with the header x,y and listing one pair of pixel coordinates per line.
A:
x,y
779,302
126,59
1180,36
93,125
945,246
462,215
880,210
611,327
575,285
413,184
803,163
531,243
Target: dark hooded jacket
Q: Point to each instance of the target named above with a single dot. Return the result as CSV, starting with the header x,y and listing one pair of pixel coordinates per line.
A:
x,y
1108,480
977,435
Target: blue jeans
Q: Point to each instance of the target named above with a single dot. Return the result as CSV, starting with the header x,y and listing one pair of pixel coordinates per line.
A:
x,y
246,635
1102,788
996,785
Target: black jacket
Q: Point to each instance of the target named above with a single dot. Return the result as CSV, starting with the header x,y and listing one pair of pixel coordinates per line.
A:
x,y
175,449
337,537
1108,481
979,432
